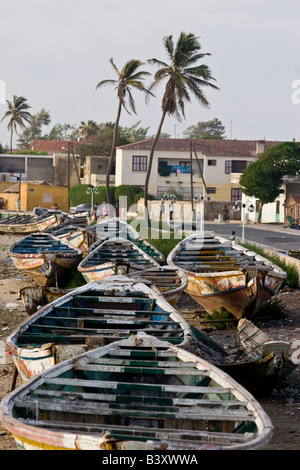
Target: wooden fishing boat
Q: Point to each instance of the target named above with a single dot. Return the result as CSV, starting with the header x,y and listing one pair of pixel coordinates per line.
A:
x,y
144,245
255,360
115,256
44,258
167,280
170,281
76,237
36,297
139,393
222,274
114,227
93,315
27,223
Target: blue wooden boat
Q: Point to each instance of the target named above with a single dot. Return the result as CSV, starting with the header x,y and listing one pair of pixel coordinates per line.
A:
x,y
44,258
140,393
92,315
115,256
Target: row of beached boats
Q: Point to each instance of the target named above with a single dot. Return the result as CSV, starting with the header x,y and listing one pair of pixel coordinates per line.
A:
x,y
113,365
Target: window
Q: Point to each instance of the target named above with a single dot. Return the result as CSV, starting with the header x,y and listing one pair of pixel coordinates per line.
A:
x,y
236,194
211,190
228,166
139,163
235,166
211,162
184,164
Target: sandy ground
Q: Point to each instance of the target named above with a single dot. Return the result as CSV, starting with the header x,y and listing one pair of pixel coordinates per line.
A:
x,y
282,405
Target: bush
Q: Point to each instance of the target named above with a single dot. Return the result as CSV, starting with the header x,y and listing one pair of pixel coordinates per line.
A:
x,y
133,193
78,194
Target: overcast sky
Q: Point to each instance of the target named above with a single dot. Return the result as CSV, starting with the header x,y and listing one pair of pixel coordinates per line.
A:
x,y
54,52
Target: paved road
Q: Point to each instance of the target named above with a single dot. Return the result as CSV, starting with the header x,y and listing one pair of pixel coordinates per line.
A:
x,y
282,239
270,235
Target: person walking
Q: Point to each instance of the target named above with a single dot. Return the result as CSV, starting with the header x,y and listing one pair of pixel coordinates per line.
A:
x,y
226,214
171,210
161,210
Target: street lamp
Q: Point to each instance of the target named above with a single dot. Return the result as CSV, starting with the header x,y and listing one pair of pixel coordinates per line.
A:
x,y
92,191
202,198
244,206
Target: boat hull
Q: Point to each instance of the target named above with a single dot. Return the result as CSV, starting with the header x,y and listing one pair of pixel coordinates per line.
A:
x,y
136,394
35,226
232,293
104,312
46,270
241,290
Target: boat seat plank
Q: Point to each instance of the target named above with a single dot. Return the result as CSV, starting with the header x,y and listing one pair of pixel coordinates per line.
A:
x,y
105,397
142,370
140,412
113,385
110,312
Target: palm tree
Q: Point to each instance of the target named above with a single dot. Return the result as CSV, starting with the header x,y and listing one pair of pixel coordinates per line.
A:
x,y
129,77
184,76
88,128
17,114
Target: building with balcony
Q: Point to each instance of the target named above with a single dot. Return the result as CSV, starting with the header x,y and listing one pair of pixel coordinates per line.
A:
x,y
211,166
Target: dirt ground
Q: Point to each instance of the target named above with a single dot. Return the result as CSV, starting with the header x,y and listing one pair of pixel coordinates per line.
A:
x,y
282,404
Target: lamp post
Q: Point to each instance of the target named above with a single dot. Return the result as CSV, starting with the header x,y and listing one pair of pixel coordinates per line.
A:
x,y
92,191
243,206
202,198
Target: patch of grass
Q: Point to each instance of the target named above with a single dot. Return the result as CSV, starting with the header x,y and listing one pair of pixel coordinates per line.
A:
x,y
222,314
165,245
292,279
75,279
274,308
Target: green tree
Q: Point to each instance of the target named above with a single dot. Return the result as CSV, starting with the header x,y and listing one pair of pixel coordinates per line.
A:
x,y
285,157
184,77
17,114
263,182
213,129
63,132
127,78
34,130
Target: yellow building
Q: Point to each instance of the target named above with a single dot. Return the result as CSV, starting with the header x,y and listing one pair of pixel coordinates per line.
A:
x,y
34,194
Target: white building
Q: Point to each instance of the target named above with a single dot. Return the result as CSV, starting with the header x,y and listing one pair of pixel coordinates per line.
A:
x,y
219,163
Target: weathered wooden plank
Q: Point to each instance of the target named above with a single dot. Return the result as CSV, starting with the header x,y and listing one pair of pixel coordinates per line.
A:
x,y
140,412
144,432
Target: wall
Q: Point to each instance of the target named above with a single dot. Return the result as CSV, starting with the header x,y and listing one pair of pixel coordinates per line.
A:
x,y
10,200
33,195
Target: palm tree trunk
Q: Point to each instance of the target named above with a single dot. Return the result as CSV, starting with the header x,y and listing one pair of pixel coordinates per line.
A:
x,y
112,155
149,166
11,138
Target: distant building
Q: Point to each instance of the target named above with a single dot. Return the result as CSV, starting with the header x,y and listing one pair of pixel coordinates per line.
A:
x,y
218,162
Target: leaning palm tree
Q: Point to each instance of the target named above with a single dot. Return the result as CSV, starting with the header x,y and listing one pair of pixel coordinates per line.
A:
x,y
183,76
129,77
17,112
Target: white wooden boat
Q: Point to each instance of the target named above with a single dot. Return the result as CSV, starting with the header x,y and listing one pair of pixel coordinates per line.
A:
x,y
140,393
44,258
114,227
115,256
25,223
222,274
93,315
170,281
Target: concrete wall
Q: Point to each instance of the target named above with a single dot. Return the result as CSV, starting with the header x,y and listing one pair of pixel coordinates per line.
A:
x,y
33,195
